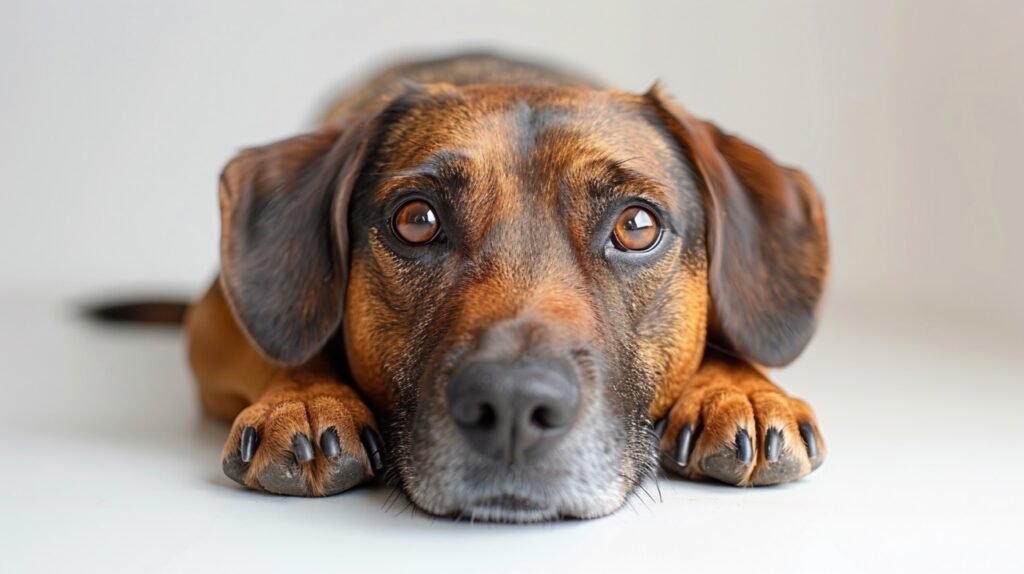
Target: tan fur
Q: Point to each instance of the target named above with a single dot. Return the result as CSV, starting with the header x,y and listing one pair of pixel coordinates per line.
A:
x,y
725,395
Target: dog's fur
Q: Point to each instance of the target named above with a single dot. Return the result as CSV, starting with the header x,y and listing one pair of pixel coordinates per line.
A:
x,y
322,319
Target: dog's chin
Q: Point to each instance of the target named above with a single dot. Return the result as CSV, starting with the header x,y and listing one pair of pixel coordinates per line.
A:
x,y
514,507
508,508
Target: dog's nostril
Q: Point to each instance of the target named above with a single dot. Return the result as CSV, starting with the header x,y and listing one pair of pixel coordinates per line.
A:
x,y
476,415
543,418
487,419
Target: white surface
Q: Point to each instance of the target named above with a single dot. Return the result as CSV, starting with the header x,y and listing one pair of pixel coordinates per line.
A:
x,y
108,467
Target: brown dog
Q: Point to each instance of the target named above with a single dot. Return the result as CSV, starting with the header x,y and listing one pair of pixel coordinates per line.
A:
x,y
503,274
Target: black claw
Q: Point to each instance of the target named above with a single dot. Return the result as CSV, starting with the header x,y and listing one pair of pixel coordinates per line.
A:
x,y
810,440
772,444
372,444
684,445
659,427
744,448
250,440
329,443
302,448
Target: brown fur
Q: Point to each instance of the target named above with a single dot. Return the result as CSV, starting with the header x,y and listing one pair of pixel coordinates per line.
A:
x,y
291,314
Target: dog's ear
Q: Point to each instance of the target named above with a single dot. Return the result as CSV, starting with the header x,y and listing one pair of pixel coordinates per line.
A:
x,y
767,242
283,238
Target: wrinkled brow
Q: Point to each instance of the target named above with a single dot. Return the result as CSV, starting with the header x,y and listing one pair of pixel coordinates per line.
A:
x,y
608,179
447,169
445,164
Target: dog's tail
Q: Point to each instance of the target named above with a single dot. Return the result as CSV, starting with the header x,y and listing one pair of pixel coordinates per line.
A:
x,y
151,312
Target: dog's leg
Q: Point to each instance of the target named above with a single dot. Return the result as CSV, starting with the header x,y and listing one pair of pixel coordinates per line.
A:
x,y
732,424
297,430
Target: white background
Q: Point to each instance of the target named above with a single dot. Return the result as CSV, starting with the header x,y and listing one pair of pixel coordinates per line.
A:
x,y
116,117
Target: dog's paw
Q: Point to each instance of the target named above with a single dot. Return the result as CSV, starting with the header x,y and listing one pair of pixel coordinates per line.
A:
x,y
745,433
316,440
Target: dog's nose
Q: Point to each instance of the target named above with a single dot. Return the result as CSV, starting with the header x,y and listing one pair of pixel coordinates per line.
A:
x,y
512,412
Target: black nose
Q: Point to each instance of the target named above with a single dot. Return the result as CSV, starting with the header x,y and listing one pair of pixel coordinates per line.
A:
x,y
512,412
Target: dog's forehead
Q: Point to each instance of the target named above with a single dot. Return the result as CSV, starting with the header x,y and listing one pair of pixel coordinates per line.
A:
x,y
537,133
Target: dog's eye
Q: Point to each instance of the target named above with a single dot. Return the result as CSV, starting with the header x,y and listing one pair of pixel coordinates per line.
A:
x,y
636,229
415,222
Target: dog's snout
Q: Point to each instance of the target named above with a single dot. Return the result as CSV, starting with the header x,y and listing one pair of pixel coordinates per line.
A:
x,y
513,412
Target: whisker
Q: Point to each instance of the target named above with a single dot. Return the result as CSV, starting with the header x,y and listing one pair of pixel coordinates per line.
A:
x,y
396,495
641,487
408,504
657,485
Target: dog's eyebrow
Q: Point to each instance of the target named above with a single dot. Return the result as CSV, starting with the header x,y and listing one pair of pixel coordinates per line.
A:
x,y
610,174
442,166
608,180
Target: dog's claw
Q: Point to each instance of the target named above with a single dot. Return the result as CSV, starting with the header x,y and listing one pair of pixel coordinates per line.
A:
x,y
810,440
772,444
744,447
684,445
731,463
372,443
329,443
659,427
250,440
302,448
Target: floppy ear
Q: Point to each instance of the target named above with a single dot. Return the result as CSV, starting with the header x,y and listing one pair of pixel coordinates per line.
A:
x,y
767,243
284,246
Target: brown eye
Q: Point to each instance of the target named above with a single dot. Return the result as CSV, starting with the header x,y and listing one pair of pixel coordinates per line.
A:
x,y
415,222
636,229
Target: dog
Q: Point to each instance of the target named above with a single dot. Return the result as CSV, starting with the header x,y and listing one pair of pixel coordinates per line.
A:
x,y
512,292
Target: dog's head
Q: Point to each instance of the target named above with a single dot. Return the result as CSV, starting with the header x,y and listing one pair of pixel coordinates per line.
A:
x,y
522,279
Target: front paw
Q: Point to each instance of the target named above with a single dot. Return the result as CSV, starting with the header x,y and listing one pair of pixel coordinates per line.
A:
x,y
314,440
745,433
